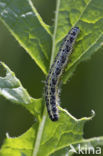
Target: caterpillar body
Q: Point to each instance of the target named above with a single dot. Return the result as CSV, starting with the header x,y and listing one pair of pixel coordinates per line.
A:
x,y
55,73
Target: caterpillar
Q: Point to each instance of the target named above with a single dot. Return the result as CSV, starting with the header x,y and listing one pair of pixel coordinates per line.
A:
x,y
55,73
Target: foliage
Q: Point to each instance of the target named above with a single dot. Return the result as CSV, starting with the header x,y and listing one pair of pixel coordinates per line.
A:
x,y
42,43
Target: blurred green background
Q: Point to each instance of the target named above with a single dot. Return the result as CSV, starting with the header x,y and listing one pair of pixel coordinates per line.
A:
x,y
82,93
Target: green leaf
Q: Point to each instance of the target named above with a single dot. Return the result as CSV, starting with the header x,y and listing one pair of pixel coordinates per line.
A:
x,y
28,28
51,139
94,144
88,16
40,42
46,137
12,89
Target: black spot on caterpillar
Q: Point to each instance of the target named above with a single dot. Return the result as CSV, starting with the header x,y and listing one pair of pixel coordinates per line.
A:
x,y
55,73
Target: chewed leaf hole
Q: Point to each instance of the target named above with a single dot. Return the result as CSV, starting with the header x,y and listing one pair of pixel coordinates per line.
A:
x,y
2,71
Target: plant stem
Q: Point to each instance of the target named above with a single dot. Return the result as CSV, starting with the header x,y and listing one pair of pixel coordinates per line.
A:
x,y
55,30
39,134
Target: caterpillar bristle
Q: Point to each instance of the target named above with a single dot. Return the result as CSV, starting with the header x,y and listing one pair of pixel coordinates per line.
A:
x,y
55,73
